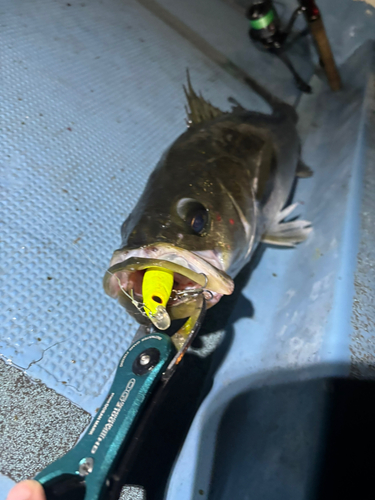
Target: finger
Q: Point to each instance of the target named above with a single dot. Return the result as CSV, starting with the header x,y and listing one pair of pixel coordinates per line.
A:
x,y
27,490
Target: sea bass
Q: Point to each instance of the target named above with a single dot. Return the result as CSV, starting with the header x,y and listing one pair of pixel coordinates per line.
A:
x,y
217,191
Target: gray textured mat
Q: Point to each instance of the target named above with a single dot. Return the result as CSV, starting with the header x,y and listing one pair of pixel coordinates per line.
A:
x,y
363,320
37,425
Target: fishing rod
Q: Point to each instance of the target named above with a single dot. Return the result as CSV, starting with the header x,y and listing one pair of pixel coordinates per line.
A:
x,y
267,32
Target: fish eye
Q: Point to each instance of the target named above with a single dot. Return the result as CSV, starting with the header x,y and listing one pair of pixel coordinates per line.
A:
x,y
194,213
198,221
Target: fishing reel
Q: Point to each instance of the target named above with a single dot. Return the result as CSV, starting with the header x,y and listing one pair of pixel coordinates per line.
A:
x,y
267,33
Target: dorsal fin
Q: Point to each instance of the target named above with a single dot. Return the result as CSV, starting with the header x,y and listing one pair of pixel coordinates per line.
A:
x,y
198,109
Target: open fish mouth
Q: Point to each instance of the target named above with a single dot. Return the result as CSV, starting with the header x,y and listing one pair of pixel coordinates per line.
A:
x,y
193,272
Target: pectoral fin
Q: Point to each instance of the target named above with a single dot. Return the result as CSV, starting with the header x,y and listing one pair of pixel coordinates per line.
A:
x,y
287,234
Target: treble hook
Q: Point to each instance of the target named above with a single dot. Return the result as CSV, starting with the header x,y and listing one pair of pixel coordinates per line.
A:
x,y
194,292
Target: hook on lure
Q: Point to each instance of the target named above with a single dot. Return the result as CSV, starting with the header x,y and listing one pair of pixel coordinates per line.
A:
x,y
194,292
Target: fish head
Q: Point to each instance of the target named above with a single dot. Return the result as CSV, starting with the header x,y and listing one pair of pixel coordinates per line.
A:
x,y
188,237
197,265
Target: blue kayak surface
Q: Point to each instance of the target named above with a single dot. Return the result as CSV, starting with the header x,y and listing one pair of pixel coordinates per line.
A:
x,y
91,97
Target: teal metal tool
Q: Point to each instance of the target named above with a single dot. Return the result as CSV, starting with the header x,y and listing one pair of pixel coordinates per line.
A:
x,y
88,471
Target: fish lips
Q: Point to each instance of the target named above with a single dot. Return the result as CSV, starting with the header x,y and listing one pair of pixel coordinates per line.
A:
x,y
127,266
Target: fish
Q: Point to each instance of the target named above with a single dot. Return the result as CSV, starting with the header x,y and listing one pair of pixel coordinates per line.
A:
x,y
218,190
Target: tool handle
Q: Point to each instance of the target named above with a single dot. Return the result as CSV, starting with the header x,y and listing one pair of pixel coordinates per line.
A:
x,y
84,473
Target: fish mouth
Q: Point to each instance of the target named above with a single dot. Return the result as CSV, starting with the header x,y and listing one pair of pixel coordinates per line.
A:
x,y
192,273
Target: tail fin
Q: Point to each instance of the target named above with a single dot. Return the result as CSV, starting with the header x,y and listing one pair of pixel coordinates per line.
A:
x,y
278,106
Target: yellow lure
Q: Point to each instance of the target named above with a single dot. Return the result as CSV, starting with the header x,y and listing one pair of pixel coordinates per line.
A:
x,y
156,289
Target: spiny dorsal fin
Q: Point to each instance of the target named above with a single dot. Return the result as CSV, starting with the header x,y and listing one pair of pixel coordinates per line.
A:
x,y
198,109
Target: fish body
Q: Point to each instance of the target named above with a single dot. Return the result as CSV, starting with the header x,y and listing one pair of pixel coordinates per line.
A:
x,y
217,191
